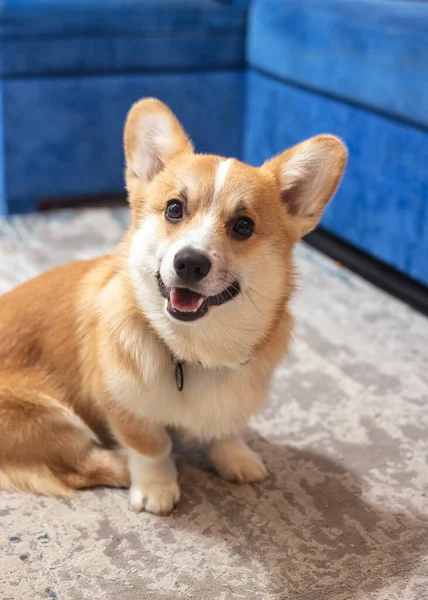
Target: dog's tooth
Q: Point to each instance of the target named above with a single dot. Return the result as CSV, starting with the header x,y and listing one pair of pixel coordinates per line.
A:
x,y
190,310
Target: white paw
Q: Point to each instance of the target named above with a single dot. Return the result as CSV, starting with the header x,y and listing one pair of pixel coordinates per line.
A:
x,y
155,497
235,461
154,485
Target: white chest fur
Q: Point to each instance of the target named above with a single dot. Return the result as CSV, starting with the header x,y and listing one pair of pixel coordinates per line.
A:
x,y
214,402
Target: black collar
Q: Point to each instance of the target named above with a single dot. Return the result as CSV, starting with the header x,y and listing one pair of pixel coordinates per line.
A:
x,y
179,372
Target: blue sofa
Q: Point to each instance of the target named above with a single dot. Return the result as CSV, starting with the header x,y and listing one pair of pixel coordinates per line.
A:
x,y
246,77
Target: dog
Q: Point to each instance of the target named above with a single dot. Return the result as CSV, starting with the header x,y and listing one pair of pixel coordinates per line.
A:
x,y
179,330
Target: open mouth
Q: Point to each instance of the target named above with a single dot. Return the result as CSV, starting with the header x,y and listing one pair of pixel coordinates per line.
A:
x,y
185,304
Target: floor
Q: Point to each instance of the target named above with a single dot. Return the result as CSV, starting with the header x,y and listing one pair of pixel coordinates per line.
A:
x,y
344,515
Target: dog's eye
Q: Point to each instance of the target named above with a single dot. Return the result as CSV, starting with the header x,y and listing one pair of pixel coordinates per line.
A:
x,y
174,210
243,228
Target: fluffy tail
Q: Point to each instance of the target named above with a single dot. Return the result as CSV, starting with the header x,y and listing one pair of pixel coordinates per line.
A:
x,y
45,448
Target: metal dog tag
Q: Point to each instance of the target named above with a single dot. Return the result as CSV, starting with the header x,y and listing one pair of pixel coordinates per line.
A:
x,y
179,376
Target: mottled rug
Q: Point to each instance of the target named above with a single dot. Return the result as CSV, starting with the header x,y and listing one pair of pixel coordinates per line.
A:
x,y
345,437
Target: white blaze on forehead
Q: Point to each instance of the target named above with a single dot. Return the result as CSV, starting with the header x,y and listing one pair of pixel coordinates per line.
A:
x,y
221,174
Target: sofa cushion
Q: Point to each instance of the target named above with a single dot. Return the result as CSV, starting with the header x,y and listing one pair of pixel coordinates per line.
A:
x,y
75,36
381,205
373,52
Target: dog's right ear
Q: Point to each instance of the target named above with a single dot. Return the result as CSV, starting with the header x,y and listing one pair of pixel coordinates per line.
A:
x,y
152,137
307,176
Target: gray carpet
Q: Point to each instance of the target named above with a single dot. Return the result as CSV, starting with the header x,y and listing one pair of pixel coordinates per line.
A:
x,y
345,513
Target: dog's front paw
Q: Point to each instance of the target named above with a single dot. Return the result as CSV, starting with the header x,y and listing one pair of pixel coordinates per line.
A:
x,y
155,497
235,461
154,486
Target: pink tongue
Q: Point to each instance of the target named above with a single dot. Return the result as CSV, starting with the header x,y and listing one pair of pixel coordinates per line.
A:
x,y
183,299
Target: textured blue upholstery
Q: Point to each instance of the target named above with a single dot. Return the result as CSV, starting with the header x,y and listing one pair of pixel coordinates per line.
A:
x,y
357,68
70,69
373,52
77,36
382,204
63,136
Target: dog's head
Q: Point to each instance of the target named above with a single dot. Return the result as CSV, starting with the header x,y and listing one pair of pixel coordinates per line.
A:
x,y
211,240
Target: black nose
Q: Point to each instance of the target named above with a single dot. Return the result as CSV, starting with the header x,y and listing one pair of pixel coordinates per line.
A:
x,y
191,265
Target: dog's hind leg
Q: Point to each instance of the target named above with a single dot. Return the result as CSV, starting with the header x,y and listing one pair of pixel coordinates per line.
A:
x,y
45,447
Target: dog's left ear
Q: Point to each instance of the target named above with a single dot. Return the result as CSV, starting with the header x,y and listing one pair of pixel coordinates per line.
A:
x,y
153,135
307,176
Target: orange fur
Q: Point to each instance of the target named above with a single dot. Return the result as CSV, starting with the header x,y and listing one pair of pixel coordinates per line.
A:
x,y
85,349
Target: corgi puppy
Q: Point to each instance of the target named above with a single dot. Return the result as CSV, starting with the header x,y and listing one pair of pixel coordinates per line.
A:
x,y
179,330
